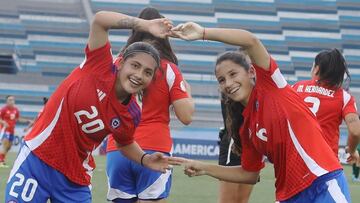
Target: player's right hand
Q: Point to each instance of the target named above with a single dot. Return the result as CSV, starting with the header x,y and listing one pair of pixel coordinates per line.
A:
x,y
159,27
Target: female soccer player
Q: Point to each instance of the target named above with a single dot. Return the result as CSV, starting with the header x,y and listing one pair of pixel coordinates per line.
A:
x,y
329,101
9,115
94,100
129,180
278,126
230,151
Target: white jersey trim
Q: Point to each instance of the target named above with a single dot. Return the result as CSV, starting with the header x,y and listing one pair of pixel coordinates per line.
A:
x,y
279,79
310,163
88,168
346,98
40,138
83,63
170,76
157,188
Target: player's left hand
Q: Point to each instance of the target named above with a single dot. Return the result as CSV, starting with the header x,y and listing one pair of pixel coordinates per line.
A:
x,y
188,31
159,162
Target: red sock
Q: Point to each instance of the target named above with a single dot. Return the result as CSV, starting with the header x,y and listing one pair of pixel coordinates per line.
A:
x,y
2,157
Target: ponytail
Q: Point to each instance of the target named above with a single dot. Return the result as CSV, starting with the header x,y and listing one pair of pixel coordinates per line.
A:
x,y
332,68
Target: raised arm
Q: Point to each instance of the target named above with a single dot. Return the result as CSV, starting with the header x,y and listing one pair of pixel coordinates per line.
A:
x,y
238,37
184,108
105,20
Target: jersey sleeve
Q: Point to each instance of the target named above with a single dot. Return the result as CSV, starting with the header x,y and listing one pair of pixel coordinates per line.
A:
x,y
349,104
98,61
123,139
175,82
271,79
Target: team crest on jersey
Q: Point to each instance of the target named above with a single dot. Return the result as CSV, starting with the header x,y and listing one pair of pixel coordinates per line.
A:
x,y
115,123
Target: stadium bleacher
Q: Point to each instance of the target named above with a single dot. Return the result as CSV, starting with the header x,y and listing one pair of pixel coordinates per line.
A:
x,y
43,40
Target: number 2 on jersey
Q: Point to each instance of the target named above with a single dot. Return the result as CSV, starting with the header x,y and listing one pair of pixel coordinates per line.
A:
x,y
92,126
315,104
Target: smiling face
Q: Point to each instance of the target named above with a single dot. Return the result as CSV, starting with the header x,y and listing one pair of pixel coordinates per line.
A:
x,y
135,74
234,81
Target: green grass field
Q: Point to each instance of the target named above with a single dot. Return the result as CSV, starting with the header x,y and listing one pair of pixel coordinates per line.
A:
x,y
184,189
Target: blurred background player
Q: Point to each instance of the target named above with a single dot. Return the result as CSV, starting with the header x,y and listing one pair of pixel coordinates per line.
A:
x,y
230,151
10,114
277,124
128,180
96,99
329,102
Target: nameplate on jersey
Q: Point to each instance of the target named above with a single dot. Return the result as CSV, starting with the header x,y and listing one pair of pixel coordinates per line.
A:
x,y
316,89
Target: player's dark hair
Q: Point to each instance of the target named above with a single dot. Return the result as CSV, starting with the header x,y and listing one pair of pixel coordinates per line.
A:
x,y
45,100
141,47
7,96
233,119
332,68
237,57
162,45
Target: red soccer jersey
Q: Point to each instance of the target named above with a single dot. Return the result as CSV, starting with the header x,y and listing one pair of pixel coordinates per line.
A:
x,y
79,115
153,132
10,115
279,125
330,106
